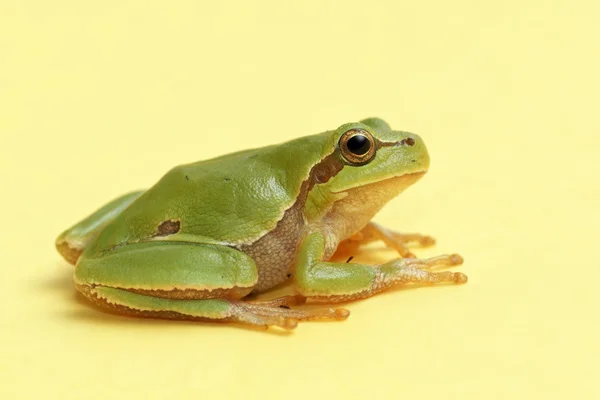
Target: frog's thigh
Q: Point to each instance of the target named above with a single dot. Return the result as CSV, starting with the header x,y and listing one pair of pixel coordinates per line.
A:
x,y
126,302
71,243
170,270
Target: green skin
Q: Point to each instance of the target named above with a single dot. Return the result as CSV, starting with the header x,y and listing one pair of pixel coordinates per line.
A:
x,y
190,246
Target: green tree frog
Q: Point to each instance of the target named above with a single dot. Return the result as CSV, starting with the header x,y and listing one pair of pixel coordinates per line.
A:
x,y
211,233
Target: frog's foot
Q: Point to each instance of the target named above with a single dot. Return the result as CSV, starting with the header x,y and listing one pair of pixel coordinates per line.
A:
x,y
219,310
416,271
284,302
395,240
282,316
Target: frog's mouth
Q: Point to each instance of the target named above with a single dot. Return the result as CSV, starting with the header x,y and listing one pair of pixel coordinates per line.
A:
x,y
392,186
395,184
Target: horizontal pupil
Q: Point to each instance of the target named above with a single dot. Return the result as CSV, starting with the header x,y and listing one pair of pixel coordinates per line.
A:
x,y
358,145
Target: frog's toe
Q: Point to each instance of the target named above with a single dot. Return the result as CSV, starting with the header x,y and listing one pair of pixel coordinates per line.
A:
x,y
284,301
264,321
445,260
426,241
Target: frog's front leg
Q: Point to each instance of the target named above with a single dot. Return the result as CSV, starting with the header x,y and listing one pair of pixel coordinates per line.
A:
x,y
395,240
185,281
333,282
72,242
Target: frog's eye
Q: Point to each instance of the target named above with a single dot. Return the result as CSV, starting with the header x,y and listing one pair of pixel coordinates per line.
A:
x,y
357,146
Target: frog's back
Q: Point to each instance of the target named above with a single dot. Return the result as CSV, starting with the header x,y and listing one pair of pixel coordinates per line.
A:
x,y
232,199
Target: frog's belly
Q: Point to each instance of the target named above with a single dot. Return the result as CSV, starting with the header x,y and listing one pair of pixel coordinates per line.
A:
x,y
275,253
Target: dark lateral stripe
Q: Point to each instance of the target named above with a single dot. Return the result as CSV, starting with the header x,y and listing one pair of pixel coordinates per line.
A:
x,y
406,141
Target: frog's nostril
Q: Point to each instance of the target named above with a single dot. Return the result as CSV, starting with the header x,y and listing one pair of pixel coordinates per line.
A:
x,y
407,141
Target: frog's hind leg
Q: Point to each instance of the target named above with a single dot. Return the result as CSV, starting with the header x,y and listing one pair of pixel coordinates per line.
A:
x,y
71,243
186,281
395,240
216,310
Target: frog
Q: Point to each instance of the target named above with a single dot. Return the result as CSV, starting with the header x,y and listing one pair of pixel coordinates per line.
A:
x,y
210,236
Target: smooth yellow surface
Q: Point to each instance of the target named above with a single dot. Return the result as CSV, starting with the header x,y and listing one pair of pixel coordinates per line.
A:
x,y
98,98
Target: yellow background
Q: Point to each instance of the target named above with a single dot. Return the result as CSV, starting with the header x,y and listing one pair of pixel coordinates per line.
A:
x,y
97,98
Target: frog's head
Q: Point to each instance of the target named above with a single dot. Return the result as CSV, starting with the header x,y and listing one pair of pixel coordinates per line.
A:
x,y
373,153
370,164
